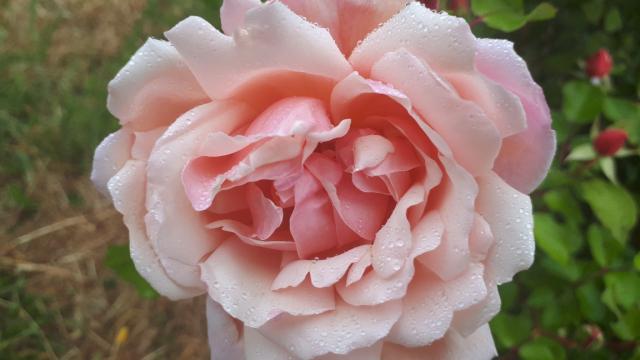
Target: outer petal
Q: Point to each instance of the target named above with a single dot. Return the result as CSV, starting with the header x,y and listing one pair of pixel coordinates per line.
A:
x,y
525,158
232,13
225,342
477,346
154,88
239,277
127,188
508,212
258,347
474,140
349,21
176,231
345,329
270,40
445,42
111,155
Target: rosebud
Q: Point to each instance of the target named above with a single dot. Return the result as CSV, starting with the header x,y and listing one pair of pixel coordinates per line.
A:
x,y
610,141
431,4
599,64
459,5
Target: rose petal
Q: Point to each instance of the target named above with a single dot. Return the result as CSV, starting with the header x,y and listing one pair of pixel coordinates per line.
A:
x,y
127,189
175,230
348,21
477,346
267,216
345,329
474,140
470,319
144,142
239,277
270,40
154,88
324,273
508,212
248,236
456,205
232,13
224,339
481,239
258,347
368,353
369,151
525,158
445,42
110,156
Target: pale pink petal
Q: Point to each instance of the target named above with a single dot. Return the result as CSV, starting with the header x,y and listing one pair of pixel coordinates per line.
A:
x,y
225,341
364,213
247,235
269,41
525,158
402,159
258,347
392,244
176,231
373,352
366,183
324,272
232,13
427,233
426,313
470,319
473,138
444,42
477,346
110,156
508,213
283,117
397,184
481,239
502,107
312,225
349,21
345,329
369,151
127,188
456,206
239,277
154,88
372,289
144,142
267,216
467,289
357,270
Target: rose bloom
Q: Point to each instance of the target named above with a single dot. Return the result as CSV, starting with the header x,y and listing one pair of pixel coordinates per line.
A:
x,y
345,179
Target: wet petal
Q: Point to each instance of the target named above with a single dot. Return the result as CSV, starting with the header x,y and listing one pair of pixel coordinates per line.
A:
x,y
110,156
232,13
225,341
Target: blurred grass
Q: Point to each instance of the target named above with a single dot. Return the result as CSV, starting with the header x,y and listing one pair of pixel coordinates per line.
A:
x,y
57,300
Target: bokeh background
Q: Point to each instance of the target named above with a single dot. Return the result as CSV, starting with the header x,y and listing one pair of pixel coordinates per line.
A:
x,y
69,291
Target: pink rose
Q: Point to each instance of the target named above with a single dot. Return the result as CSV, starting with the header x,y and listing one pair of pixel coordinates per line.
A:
x,y
346,179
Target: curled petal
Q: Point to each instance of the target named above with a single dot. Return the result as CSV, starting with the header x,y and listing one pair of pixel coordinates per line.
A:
x,y
154,88
239,277
225,341
232,13
269,41
111,155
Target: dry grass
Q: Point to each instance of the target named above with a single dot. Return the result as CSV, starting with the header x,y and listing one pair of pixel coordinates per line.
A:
x,y
59,247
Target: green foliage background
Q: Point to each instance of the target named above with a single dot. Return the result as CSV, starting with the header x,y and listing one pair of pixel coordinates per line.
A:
x,y
581,298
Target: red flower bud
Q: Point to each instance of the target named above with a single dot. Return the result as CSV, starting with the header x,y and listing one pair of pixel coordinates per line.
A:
x,y
431,4
599,64
459,5
610,141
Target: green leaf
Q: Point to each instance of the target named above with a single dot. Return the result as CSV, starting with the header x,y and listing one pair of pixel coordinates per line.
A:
x,y
119,260
509,15
625,288
563,202
613,20
511,330
582,102
612,205
593,10
544,11
628,326
591,306
608,167
620,109
603,248
549,236
636,261
542,348
582,152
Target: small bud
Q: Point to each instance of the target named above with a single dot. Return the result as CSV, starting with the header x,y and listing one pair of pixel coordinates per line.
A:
x,y
599,64
459,5
431,4
610,141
